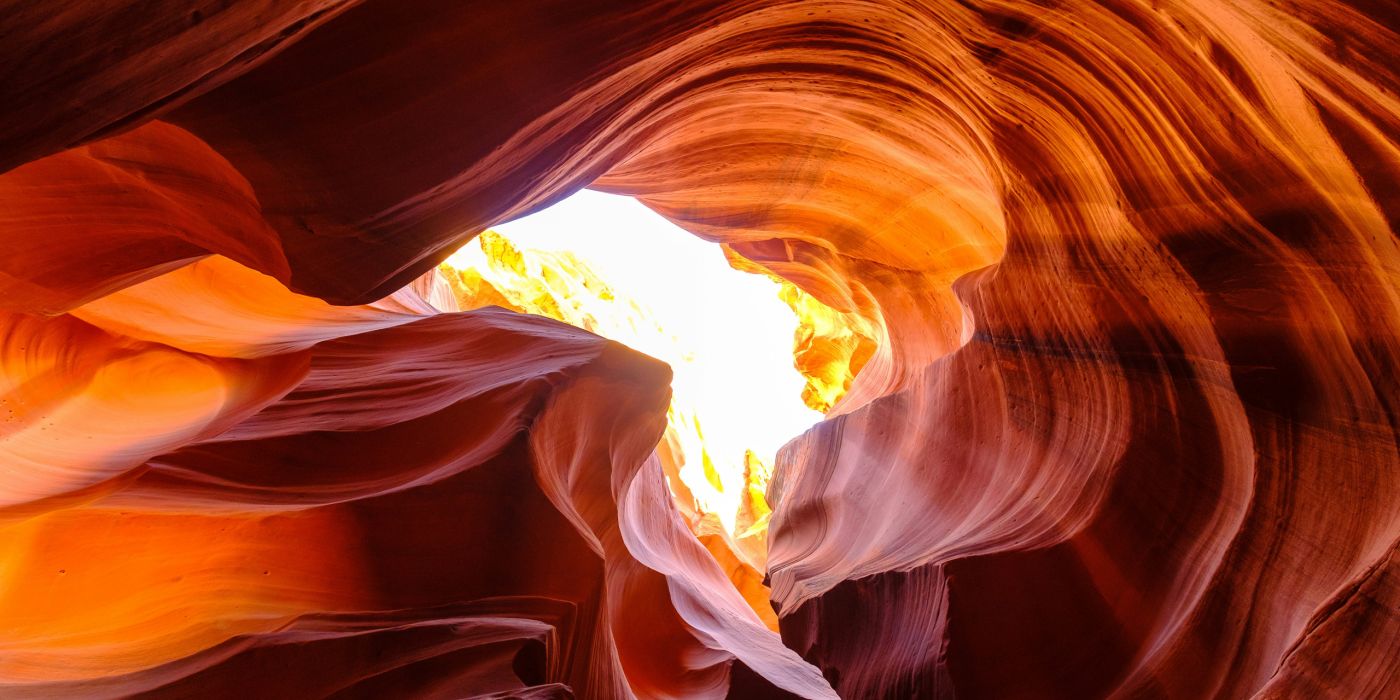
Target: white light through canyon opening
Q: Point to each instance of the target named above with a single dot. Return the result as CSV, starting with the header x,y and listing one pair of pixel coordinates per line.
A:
x,y
726,334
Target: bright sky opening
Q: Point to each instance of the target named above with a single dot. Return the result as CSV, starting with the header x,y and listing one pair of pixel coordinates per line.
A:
x,y
726,334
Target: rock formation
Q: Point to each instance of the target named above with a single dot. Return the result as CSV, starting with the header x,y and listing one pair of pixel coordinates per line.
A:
x,y
1121,281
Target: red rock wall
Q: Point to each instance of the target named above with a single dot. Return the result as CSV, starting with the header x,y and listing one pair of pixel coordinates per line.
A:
x,y
1130,430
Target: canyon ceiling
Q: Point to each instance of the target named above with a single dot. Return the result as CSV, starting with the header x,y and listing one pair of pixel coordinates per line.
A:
x,y
1121,281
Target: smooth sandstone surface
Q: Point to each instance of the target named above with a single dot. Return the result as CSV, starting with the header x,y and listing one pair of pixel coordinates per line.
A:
x,y
1120,280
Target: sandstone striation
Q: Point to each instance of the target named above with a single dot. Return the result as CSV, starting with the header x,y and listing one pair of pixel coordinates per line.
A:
x,y
1112,354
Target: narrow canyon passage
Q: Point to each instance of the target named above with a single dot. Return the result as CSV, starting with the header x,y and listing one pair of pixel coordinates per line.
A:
x,y
1090,349
609,265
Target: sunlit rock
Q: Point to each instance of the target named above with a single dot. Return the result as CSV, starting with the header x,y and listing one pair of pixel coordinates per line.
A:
x,y
718,481
1110,368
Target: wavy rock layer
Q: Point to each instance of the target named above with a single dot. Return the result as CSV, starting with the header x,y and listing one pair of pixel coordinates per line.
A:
x,y
1121,280
428,488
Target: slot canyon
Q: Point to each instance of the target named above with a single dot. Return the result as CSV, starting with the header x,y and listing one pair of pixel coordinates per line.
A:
x,y
1093,308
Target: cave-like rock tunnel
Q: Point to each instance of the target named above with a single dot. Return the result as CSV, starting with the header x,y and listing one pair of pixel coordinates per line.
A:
x,y
1100,302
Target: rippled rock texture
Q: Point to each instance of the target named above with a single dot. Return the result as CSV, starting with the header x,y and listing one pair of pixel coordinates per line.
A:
x,y
1120,281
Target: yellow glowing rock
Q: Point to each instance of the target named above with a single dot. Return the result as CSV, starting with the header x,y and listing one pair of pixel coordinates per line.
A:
x,y
97,591
830,348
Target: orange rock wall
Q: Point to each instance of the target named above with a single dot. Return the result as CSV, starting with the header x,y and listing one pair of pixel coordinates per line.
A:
x,y
1129,428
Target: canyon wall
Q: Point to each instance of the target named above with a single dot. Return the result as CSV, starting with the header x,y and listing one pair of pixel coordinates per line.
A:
x,y
1129,342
